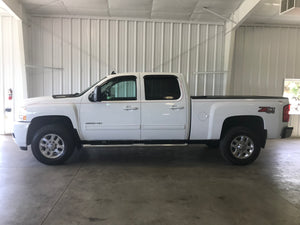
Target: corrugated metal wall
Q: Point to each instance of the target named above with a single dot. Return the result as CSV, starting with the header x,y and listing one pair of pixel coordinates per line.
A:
x,y
69,54
263,57
12,70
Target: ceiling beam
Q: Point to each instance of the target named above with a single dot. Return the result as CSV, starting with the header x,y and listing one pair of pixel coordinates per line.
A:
x,y
151,10
14,8
236,19
241,14
217,14
194,10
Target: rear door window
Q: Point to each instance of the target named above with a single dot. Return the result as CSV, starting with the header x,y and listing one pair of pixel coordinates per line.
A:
x,y
161,87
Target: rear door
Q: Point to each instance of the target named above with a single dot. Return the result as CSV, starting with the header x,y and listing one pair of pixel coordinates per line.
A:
x,y
163,108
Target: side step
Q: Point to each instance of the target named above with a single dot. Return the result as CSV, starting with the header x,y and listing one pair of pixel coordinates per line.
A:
x,y
134,145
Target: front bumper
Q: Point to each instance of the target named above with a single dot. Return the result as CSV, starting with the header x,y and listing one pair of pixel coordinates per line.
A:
x,y
20,134
286,132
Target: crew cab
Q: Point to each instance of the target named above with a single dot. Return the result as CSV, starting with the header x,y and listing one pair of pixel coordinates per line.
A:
x,y
149,108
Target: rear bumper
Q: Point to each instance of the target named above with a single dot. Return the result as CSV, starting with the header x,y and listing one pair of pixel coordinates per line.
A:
x,y
286,132
20,134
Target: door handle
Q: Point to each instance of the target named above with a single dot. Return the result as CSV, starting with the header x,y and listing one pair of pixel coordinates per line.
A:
x,y
128,108
174,107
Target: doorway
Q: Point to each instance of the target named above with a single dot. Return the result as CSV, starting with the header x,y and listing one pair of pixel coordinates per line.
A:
x,y
12,69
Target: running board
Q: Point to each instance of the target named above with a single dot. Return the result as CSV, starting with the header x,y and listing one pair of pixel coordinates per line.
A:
x,y
134,145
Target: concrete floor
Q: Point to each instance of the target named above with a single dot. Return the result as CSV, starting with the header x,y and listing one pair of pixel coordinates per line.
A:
x,y
149,186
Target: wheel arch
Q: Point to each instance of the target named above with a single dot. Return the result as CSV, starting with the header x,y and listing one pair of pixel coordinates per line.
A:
x,y
254,123
41,121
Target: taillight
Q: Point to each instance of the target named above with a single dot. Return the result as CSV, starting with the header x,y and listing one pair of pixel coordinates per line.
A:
x,y
286,115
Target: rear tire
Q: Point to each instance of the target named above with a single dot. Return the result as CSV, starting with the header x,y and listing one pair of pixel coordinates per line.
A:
x,y
52,144
240,146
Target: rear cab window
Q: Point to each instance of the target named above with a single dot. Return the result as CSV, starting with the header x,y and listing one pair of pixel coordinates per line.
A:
x,y
161,87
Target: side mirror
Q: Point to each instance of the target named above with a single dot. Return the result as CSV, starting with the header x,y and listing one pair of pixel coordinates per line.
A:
x,y
97,94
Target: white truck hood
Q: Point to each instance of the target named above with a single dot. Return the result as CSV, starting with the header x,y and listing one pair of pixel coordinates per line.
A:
x,y
37,100
48,100
47,106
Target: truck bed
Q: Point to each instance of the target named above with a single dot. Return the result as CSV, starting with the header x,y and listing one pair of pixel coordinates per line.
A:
x,y
208,114
237,97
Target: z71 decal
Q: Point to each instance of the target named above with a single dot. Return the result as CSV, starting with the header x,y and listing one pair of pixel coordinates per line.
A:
x,y
266,109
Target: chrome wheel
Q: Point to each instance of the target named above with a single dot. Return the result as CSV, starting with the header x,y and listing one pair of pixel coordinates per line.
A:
x,y
242,147
52,146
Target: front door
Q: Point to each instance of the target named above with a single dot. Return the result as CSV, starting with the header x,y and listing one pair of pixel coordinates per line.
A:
x,y
117,115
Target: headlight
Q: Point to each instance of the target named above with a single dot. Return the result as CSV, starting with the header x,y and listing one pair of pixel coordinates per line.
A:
x,y
22,114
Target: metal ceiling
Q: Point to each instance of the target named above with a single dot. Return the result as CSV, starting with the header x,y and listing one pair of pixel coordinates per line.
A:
x,y
267,11
147,9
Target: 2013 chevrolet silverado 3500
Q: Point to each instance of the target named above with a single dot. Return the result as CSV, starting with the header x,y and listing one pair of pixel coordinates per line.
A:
x,y
149,108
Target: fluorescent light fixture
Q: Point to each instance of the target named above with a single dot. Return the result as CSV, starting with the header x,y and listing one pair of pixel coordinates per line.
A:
x,y
271,4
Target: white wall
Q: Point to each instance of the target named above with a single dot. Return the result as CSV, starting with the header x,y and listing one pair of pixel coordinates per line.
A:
x,y
69,54
12,69
263,57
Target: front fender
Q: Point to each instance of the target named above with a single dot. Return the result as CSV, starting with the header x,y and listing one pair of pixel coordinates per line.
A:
x,y
49,110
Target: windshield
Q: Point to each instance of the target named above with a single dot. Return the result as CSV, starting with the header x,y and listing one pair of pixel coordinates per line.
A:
x,y
89,88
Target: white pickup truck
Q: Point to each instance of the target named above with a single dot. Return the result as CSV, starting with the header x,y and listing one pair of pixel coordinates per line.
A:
x,y
149,108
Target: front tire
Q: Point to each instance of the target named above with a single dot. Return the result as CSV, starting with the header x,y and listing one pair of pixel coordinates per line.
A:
x,y
240,146
52,144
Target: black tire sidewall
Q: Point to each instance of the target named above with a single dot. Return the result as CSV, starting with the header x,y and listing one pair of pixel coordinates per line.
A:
x,y
53,129
227,139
